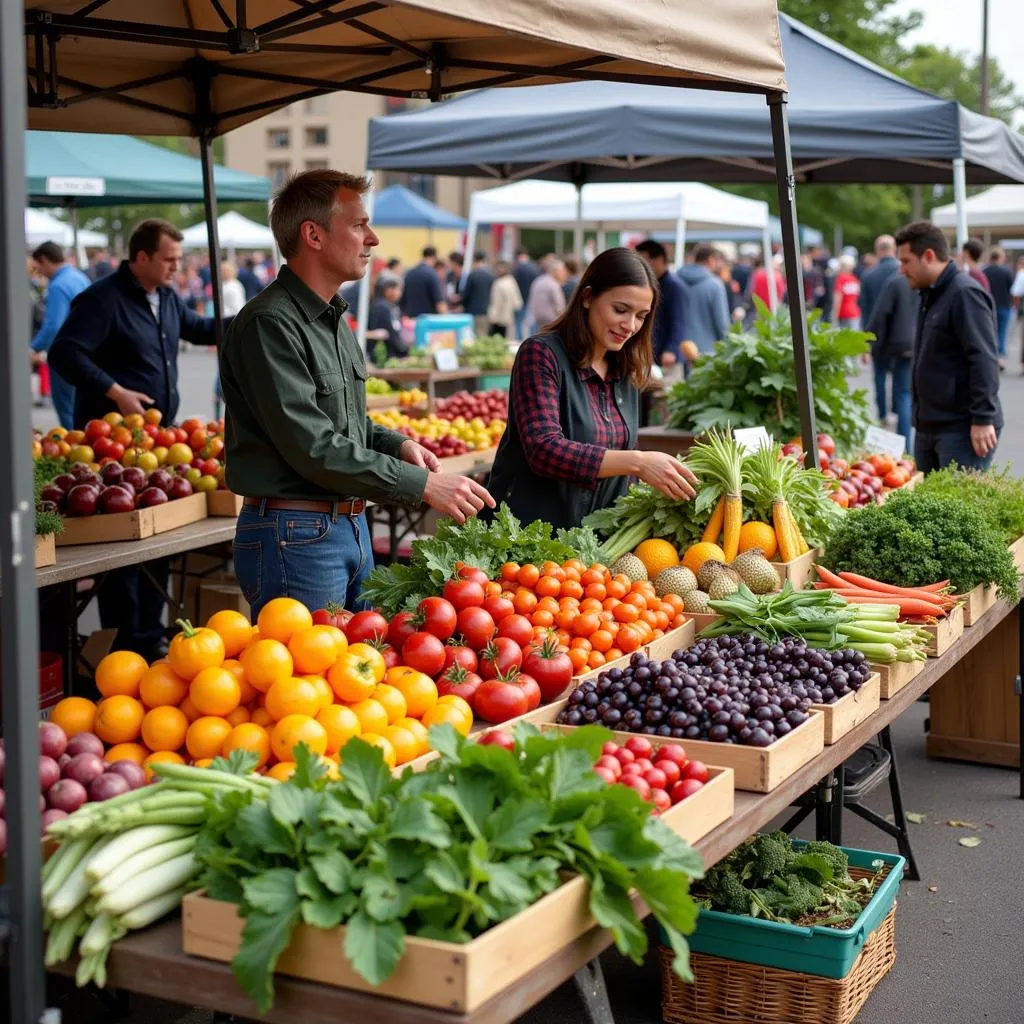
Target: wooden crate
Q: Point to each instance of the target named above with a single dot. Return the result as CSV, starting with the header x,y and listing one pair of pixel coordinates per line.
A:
x,y
798,571
849,711
445,975
979,601
223,503
137,525
701,620
470,462
1017,550
893,677
46,550
757,769
943,634
912,482
664,439
664,647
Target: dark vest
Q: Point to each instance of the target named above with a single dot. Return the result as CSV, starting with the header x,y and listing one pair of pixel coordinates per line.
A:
x,y
559,502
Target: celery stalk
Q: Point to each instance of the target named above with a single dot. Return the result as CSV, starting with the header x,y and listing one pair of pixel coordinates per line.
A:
x,y
129,843
142,861
149,884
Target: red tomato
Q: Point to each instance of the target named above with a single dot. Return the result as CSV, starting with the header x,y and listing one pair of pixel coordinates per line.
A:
x,y
469,572
402,627
696,770
672,752
637,782
681,790
632,768
606,774
644,764
656,778
826,444
390,655
476,627
661,800
497,738
670,770
551,667
517,628
458,654
609,748
609,762
499,608
624,756
425,653
437,616
461,682
497,702
366,626
500,656
640,746
331,616
529,686
464,593
95,429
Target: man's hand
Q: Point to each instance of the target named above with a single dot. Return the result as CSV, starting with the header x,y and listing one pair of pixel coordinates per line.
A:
x,y
983,440
129,402
416,455
456,496
668,359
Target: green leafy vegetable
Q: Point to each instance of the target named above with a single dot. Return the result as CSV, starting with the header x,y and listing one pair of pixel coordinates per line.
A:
x,y
995,493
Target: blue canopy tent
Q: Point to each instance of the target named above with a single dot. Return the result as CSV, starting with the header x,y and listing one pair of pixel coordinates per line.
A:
x,y
399,207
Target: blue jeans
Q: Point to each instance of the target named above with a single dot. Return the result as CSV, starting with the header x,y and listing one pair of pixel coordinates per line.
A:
x,y
522,321
314,557
1004,314
62,394
936,450
899,367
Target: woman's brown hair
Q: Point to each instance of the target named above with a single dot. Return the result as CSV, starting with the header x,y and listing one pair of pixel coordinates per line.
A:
x,y
613,268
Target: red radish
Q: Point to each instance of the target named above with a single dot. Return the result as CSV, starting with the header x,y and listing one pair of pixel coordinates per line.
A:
x,y
83,768
49,772
672,752
640,746
130,772
67,795
52,740
107,786
85,743
656,778
639,783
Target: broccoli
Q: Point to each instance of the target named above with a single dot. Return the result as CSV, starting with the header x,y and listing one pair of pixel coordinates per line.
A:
x,y
802,896
839,861
727,891
774,853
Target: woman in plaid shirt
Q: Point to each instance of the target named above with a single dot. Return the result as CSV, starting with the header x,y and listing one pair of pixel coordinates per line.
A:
x,y
570,444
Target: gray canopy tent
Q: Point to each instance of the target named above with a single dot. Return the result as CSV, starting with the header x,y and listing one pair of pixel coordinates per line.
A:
x,y
202,67
850,121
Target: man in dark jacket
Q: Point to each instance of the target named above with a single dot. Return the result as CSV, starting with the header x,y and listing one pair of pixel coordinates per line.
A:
x,y
893,322
670,313
871,286
422,292
525,272
119,349
476,294
955,375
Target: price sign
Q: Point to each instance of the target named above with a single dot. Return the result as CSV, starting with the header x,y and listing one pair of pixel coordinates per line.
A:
x,y
752,438
885,442
446,359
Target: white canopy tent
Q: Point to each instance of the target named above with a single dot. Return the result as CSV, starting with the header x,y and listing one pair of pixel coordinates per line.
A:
x,y
41,226
233,232
997,209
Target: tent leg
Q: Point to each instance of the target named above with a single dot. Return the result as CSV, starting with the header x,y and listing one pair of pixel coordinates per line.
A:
x,y
22,927
210,205
577,245
960,198
680,239
769,266
363,312
786,183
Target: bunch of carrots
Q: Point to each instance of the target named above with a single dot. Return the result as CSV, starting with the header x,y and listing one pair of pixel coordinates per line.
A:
x,y
928,603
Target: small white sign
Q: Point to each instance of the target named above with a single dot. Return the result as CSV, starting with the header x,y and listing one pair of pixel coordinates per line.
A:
x,y
752,438
446,359
885,442
76,187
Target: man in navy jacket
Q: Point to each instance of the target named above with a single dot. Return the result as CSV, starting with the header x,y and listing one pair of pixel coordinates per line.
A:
x,y
119,349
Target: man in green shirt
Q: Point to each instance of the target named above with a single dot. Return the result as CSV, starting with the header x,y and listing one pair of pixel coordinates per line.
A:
x,y
300,446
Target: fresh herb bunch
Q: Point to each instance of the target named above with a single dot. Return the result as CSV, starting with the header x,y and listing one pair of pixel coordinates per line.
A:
x,y
916,538
995,493
768,877
45,469
444,854
749,381
394,588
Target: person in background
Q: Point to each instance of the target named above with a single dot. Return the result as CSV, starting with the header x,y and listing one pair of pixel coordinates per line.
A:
x,y
546,301
574,402
759,282
100,266
300,446
1000,280
476,294
733,294
1017,292
846,300
970,255
955,372
65,282
707,303
453,280
572,269
893,321
118,348
867,262
670,318
248,278
422,292
525,273
742,270
203,269
231,290
394,268
505,304
871,286
384,323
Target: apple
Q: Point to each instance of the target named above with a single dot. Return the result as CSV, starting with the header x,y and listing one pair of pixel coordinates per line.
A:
x,y
161,478
65,482
116,499
826,444
83,474
498,738
82,500
207,484
151,496
180,488
112,473
135,476
53,494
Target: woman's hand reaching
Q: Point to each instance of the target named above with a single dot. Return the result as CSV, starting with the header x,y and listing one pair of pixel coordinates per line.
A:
x,y
667,474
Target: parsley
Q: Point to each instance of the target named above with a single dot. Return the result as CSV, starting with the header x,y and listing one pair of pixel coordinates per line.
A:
x,y
446,853
997,495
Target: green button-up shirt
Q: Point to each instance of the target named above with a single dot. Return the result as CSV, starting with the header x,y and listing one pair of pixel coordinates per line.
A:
x,y
294,383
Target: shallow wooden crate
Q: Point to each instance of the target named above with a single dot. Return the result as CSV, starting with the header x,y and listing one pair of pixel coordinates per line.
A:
x,y
137,525
664,647
469,462
1017,550
701,620
223,503
46,550
799,570
893,677
943,634
849,711
979,601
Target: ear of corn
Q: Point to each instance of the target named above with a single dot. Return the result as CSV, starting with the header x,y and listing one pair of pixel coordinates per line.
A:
x,y
733,521
718,459
714,528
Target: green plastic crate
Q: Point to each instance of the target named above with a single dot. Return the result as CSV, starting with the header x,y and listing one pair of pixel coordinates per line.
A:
x,y
495,380
826,952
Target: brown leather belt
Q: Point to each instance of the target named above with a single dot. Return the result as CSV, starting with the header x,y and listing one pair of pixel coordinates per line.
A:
x,y
349,507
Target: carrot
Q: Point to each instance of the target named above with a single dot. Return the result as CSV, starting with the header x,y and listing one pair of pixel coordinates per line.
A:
x,y
935,588
828,577
851,579
907,605
714,528
733,517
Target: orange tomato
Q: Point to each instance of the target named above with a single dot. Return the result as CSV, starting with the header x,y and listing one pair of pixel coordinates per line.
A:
x,y
510,572
419,691
249,692
160,686
548,586
651,618
525,601
596,659
252,737
164,728
675,601
548,604
265,661
126,752
323,689
545,619
601,640
261,717
293,730
120,672
372,715
234,629
282,771
492,589
590,604
405,745
585,624
205,736
677,620
418,729
158,757
215,691
292,697
384,745
281,618
238,716
189,709
597,591
578,657
571,588
628,639
614,654
119,719
574,563
392,699
528,575
563,637
193,649
354,675
592,575
74,715
565,618
616,589
441,714
340,723
583,643
315,649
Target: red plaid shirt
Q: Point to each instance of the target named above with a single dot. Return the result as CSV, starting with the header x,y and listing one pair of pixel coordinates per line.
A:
x,y
549,452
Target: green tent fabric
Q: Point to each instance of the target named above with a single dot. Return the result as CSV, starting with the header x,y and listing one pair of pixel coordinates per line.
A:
x,y
117,170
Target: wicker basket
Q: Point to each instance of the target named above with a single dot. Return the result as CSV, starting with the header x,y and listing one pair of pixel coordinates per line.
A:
x,y
729,992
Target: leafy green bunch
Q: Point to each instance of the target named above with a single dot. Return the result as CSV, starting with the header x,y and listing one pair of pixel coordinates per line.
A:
x,y
749,380
443,854
768,877
394,588
45,469
996,494
917,538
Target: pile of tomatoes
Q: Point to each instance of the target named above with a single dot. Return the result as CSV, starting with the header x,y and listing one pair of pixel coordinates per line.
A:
x,y
661,774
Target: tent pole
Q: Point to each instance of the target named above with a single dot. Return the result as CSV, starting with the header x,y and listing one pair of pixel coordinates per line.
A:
x,y
786,183
577,245
960,198
471,232
276,254
769,265
23,924
210,206
363,311
680,241
602,242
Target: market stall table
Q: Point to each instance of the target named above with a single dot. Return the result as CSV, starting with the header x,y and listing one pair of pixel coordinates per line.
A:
x,y
431,377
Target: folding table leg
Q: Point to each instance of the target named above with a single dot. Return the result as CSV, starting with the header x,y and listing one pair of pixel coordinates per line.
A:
x,y
589,981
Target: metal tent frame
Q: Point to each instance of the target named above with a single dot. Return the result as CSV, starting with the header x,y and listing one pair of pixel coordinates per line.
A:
x,y
189,78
